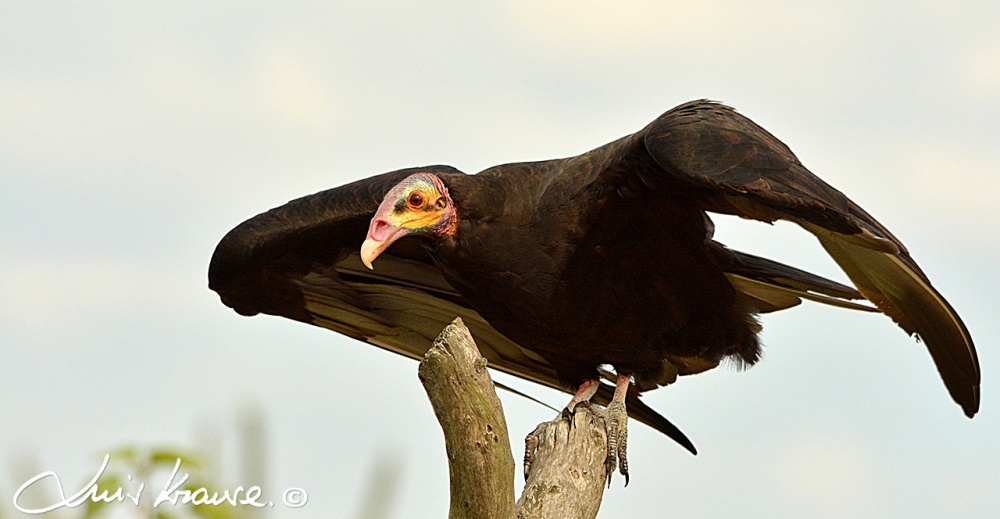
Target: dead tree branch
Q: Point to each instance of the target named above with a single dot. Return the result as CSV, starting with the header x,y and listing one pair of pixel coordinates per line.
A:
x,y
566,479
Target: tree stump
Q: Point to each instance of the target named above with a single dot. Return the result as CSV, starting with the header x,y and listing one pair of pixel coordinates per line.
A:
x,y
566,478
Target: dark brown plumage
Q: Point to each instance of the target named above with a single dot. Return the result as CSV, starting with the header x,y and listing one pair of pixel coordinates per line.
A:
x,y
607,258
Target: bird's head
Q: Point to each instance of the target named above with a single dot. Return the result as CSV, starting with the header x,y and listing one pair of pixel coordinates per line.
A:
x,y
420,204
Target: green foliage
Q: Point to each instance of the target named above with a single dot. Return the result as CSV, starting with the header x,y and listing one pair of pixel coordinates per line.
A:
x,y
131,467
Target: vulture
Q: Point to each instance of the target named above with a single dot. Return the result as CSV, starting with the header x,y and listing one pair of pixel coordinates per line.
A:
x,y
595,274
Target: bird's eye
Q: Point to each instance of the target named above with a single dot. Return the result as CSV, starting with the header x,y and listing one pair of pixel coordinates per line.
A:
x,y
416,200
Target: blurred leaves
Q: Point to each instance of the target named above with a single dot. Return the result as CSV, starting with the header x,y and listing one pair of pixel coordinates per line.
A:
x,y
129,470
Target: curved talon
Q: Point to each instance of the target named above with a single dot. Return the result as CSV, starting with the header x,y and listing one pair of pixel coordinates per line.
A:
x,y
623,466
568,414
617,439
584,393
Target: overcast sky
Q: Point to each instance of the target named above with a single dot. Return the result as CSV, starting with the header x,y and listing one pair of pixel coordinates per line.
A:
x,y
134,135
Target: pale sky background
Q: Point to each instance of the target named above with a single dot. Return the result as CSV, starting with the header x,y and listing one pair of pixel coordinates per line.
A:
x,y
134,135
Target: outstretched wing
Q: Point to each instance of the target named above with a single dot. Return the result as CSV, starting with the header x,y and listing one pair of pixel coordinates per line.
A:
x,y
301,261
744,170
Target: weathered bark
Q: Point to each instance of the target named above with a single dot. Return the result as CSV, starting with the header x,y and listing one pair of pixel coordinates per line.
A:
x,y
566,479
567,476
475,432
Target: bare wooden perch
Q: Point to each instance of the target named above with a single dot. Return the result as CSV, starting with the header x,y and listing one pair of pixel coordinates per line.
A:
x,y
568,475
566,478
475,433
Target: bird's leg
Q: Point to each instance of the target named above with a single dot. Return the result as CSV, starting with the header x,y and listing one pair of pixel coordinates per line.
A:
x,y
583,394
617,420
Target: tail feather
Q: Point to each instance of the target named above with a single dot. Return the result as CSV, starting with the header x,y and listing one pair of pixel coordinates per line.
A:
x,y
773,286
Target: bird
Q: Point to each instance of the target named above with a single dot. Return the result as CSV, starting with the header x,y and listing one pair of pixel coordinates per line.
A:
x,y
596,274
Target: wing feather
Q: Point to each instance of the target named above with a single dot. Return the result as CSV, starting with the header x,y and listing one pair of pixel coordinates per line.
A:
x,y
301,261
742,169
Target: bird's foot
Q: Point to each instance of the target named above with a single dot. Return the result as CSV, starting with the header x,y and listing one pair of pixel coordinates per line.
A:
x,y
582,396
617,425
568,414
531,448
617,420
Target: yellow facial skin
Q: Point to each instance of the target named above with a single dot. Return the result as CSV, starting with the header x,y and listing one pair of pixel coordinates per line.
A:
x,y
416,205
419,210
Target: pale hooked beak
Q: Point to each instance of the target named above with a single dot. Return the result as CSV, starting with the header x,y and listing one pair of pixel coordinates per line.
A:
x,y
381,234
370,250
